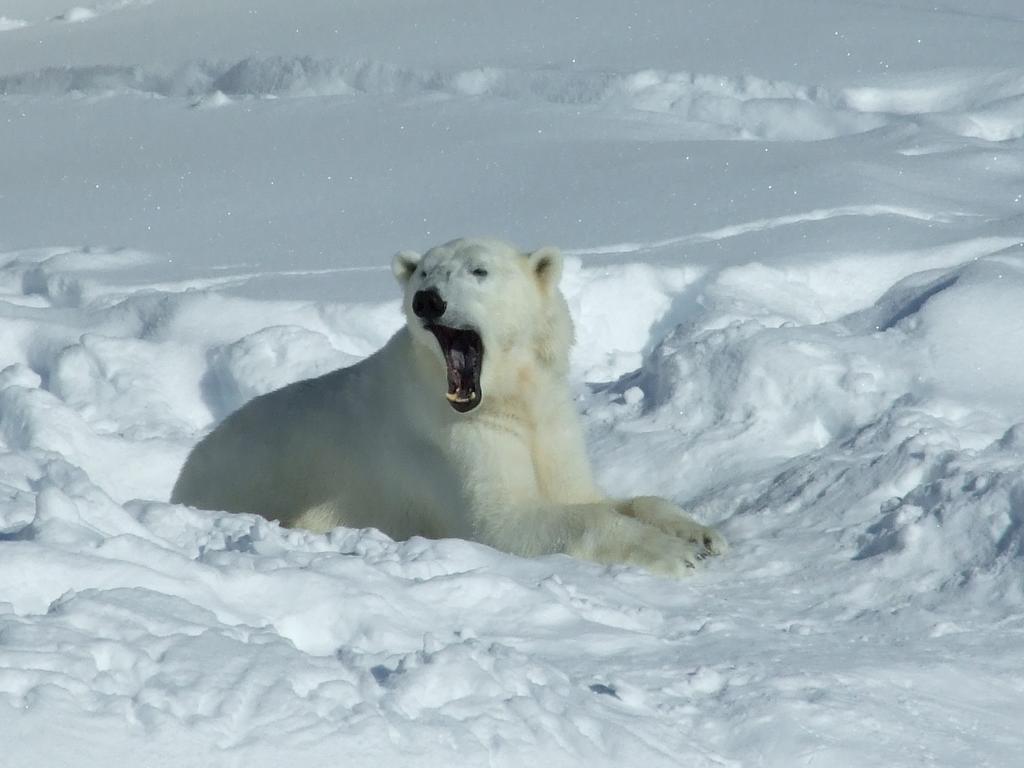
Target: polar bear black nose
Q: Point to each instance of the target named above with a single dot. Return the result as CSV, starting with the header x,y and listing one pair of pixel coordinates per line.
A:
x,y
428,304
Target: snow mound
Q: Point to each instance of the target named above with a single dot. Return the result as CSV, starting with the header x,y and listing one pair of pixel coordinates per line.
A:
x,y
267,360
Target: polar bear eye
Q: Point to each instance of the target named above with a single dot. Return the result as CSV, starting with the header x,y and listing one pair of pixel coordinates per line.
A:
x,y
480,272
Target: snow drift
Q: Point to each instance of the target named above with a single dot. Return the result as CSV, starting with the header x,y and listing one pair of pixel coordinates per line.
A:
x,y
796,271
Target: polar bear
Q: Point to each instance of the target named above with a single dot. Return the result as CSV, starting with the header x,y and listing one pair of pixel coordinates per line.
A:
x,y
462,425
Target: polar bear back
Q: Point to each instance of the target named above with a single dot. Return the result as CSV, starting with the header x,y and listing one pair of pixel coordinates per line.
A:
x,y
340,449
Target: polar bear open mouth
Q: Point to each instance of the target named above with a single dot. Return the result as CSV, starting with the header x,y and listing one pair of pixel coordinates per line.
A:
x,y
463,352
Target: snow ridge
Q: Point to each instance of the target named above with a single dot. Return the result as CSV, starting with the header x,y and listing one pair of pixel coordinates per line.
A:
x,y
989,106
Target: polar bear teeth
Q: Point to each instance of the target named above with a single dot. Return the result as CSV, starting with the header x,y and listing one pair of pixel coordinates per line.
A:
x,y
463,352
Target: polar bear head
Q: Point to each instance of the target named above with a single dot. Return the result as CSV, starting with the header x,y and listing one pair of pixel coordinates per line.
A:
x,y
490,315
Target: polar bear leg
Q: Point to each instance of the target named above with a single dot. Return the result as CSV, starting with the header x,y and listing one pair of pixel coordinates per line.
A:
x,y
508,510
596,531
666,516
320,518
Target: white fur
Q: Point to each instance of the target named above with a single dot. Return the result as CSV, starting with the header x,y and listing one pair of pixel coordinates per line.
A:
x,y
377,444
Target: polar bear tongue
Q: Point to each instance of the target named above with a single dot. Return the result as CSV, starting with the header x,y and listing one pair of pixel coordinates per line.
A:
x,y
463,354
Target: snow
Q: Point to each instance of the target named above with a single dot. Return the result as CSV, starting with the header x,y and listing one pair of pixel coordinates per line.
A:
x,y
795,238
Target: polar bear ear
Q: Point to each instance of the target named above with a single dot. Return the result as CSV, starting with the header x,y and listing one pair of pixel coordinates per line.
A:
x,y
404,264
546,265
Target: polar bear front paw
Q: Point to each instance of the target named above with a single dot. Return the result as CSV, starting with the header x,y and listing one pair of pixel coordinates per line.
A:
x,y
633,542
667,517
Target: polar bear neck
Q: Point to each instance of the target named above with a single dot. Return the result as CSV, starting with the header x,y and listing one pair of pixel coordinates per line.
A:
x,y
554,338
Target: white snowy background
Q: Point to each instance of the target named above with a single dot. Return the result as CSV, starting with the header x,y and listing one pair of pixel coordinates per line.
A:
x,y
796,241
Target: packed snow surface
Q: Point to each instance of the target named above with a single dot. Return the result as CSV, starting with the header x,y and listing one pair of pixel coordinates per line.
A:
x,y
796,265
